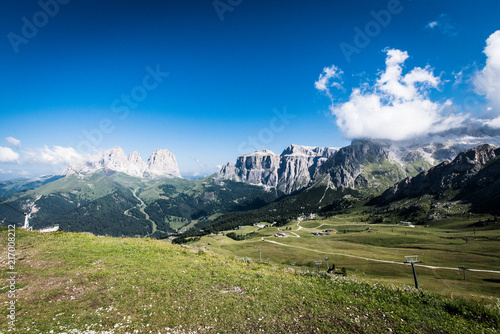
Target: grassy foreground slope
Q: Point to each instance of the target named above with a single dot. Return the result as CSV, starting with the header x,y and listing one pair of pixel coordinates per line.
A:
x,y
80,283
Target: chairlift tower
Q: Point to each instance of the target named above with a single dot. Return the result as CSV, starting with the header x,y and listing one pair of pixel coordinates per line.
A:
x,y
318,263
413,259
464,269
27,222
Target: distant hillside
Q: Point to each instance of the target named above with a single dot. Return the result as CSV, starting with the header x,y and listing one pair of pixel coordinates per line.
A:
x,y
110,203
316,199
80,283
16,185
472,177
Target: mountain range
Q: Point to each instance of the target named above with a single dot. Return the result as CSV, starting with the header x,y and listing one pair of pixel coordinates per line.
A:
x,y
160,165
116,194
369,166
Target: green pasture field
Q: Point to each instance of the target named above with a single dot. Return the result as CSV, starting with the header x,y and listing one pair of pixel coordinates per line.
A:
x,y
80,283
353,244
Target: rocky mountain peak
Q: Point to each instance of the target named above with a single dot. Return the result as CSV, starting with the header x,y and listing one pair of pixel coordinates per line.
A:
x,y
289,172
301,150
135,158
161,164
263,152
474,158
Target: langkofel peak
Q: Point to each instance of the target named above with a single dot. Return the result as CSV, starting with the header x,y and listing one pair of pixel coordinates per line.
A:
x,y
160,165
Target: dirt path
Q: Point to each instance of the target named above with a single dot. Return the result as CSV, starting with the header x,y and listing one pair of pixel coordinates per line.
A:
x,y
375,260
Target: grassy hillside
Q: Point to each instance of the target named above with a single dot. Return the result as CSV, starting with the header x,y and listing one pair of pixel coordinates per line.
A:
x,y
362,247
80,283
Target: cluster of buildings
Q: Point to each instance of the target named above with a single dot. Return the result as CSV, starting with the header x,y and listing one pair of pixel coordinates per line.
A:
x,y
325,232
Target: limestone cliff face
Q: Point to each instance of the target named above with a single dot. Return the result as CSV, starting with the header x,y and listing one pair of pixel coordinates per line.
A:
x,y
290,171
259,168
298,164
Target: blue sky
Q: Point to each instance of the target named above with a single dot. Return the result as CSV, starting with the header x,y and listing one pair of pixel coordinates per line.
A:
x,y
211,80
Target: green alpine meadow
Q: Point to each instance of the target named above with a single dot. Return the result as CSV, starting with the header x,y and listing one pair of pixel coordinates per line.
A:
x,y
81,283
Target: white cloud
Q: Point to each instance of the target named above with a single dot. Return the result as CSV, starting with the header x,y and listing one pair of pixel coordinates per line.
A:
x,y
7,155
494,123
6,171
13,141
487,81
396,107
443,24
323,84
459,77
53,156
432,25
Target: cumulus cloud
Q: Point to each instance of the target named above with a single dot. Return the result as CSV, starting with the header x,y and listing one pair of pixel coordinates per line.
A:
x,y
487,80
323,84
53,156
442,24
13,141
8,155
396,107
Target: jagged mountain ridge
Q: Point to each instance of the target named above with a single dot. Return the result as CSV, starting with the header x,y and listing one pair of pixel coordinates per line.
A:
x,y
367,165
161,164
475,173
363,164
290,171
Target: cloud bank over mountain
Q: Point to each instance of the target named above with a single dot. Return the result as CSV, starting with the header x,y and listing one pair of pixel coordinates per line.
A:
x,y
398,105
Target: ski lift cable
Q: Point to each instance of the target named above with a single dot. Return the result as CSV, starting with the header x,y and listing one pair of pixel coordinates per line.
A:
x,y
23,213
9,222
13,208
